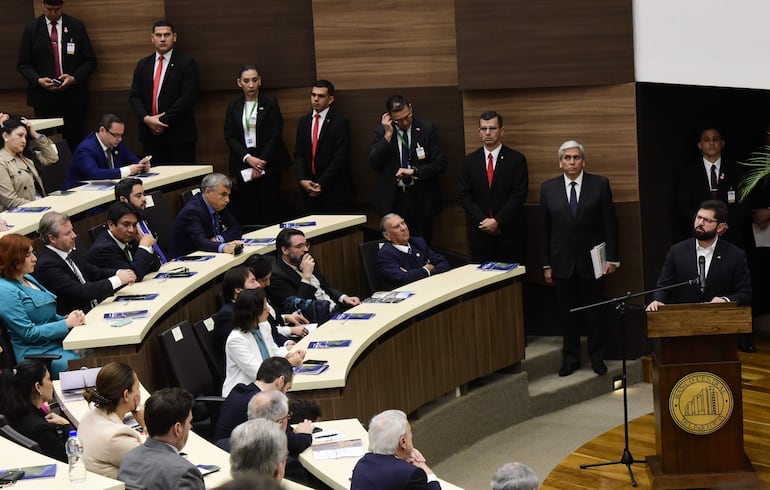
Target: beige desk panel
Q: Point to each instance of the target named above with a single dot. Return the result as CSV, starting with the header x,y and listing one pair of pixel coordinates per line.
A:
x,y
46,123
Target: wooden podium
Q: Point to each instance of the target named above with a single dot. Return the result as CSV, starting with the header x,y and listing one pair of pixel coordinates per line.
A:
x,y
697,396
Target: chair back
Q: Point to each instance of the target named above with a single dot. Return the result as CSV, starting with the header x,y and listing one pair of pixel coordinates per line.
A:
x,y
204,332
368,252
53,175
185,196
13,435
95,231
159,218
186,359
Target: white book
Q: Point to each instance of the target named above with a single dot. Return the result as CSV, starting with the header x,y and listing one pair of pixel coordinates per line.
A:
x,y
599,259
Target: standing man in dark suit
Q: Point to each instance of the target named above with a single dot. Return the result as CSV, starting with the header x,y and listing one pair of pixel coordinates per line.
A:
x,y
407,154
123,245
162,95
77,284
576,214
205,223
710,177
103,155
493,188
258,155
56,59
321,154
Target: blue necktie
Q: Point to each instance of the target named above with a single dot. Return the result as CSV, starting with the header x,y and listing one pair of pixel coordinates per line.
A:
x,y
261,344
573,199
146,231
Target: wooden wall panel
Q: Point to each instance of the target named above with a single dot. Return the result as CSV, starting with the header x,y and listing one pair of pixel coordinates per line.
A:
x,y
15,102
224,35
398,43
538,121
12,22
520,43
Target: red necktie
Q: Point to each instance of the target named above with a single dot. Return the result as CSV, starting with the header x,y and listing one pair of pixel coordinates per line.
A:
x,y
490,170
315,141
55,46
156,85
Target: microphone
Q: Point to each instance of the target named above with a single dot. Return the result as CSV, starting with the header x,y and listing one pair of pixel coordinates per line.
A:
x,y
702,272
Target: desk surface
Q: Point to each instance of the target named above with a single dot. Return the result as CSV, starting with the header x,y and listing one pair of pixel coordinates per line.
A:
x,y
15,456
336,472
47,123
428,293
77,201
97,332
199,450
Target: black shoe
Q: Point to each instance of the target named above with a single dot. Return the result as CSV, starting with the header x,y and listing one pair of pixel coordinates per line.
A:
x,y
599,367
568,368
746,343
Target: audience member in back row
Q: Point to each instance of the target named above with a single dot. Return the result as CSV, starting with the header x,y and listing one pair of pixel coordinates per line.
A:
x,y
250,341
106,439
20,182
205,223
392,460
514,476
27,309
123,245
103,155
23,390
76,282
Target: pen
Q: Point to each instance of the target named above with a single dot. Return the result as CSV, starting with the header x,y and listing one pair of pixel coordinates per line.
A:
x,y
326,435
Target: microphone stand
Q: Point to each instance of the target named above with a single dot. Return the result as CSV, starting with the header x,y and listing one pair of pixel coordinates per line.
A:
x,y
621,307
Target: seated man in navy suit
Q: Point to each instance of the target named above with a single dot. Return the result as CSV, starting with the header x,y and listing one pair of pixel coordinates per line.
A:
x,y
392,460
402,259
123,245
103,155
205,223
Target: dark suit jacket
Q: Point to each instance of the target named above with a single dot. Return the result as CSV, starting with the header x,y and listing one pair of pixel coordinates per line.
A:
x,y
504,201
385,158
90,163
269,145
332,161
728,274
386,472
36,61
157,466
106,253
48,436
286,282
397,268
193,230
177,96
566,241
56,276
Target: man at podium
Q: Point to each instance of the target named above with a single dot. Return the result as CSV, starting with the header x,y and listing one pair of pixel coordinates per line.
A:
x,y
719,266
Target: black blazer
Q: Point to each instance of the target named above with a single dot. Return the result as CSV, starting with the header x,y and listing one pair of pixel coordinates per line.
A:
x,y
728,274
286,282
56,275
385,158
566,241
193,229
177,96
36,60
332,159
269,145
106,253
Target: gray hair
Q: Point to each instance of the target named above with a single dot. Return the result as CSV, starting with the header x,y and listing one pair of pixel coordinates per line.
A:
x,y
515,476
571,144
386,430
384,219
50,224
211,181
257,447
271,405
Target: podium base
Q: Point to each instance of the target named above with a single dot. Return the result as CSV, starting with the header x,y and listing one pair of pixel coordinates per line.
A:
x,y
744,480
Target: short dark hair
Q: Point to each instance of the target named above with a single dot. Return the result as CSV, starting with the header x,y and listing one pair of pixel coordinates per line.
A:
x,y
234,278
325,84
124,187
119,209
396,103
53,2
711,127
260,265
163,23
719,208
248,306
274,367
165,408
284,238
491,114
108,120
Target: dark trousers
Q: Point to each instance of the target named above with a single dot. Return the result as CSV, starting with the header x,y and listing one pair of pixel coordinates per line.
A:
x,y
508,247
409,206
258,202
571,293
166,152
74,118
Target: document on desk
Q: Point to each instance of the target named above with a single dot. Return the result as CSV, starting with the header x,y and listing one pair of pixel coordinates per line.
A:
x,y
97,185
498,266
352,316
73,383
258,241
328,344
297,224
136,297
32,472
352,448
29,209
388,296
126,314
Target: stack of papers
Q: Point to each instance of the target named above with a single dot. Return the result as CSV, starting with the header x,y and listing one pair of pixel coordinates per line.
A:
x,y
352,448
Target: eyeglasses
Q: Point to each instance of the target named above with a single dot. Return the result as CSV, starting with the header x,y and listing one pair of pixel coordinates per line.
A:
x,y
116,135
302,245
287,416
484,129
403,119
708,221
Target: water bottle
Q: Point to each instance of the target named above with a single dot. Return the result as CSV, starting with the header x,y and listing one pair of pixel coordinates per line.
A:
x,y
74,449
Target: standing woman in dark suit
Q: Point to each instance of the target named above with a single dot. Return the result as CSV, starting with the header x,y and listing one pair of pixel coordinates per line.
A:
x,y
258,155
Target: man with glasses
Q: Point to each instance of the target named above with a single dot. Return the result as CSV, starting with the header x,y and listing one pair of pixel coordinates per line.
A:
x,y
297,284
721,269
407,153
493,188
103,155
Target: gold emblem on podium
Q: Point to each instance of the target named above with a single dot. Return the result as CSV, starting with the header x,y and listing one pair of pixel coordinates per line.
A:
x,y
701,403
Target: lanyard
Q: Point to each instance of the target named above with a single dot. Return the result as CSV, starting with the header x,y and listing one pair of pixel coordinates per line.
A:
x,y
246,116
